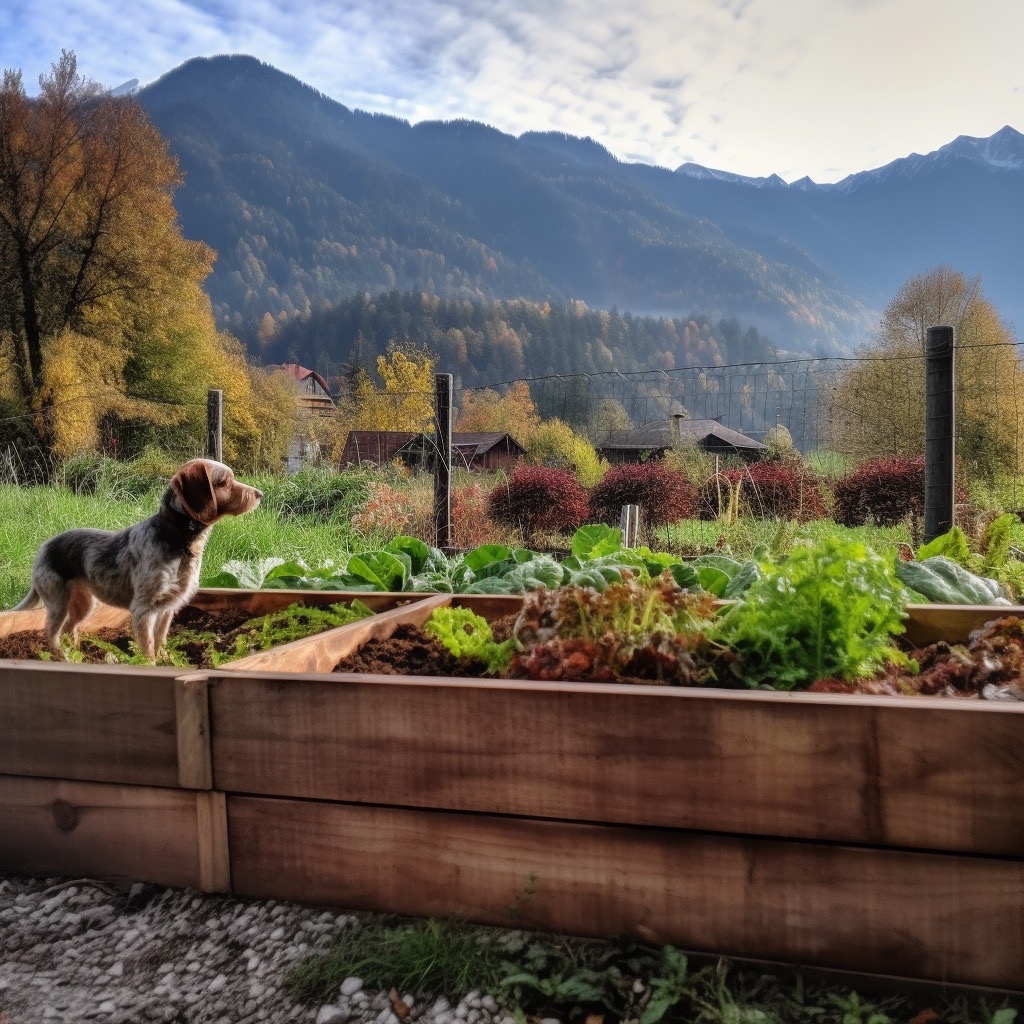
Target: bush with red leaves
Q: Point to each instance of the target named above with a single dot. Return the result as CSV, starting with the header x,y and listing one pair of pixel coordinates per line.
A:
x,y
768,490
664,496
885,491
538,499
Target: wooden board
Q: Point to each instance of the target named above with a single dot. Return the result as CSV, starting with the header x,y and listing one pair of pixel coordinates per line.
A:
x,y
926,916
902,772
86,829
322,652
104,615
99,723
929,623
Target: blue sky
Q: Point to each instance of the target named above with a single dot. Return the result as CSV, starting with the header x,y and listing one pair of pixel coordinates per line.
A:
x,y
817,87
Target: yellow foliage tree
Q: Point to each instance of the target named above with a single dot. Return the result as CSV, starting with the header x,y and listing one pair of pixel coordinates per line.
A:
x,y
404,400
89,244
513,413
876,406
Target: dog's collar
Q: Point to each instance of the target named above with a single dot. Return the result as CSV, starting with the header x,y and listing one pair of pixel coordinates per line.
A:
x,y
192,524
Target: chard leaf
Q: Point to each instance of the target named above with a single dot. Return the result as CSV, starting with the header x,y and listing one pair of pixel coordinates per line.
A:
x,y
381,569
595,540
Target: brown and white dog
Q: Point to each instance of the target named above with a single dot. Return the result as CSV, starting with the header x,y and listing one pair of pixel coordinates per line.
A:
x,y
151,568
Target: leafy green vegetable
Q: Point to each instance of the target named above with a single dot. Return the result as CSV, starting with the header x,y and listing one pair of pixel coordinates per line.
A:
x,y
595,540
952,544
944,581
384,570
827,610
468,635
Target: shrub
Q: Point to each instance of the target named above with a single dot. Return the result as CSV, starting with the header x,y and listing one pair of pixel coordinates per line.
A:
x,y
664,496
767,490
92,473
555,441
471,526
885,491
536,498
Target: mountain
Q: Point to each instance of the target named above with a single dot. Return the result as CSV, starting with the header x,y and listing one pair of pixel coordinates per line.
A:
x,y
309,203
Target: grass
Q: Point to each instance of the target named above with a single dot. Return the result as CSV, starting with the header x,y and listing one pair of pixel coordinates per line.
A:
x,y
31,515
536,975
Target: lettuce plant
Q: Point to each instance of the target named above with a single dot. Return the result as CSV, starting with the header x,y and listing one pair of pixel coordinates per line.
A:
x,y
830,609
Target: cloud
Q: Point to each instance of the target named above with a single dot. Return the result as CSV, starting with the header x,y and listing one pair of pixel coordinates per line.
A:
x,y
819,87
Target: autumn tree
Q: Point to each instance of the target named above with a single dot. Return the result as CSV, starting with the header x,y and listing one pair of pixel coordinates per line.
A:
x,y
403,400
513,412
875,406
93,265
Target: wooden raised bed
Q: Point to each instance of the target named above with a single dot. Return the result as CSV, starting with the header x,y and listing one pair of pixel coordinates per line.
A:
x,y
874,834
105,769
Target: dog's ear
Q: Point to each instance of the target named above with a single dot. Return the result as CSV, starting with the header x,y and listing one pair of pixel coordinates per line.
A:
x,y
194,489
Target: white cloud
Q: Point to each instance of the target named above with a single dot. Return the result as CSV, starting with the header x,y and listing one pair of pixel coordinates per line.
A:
x,y
819,87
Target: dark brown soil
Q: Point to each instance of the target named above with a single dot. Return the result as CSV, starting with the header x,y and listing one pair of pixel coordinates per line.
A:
x,y
224,624
411,651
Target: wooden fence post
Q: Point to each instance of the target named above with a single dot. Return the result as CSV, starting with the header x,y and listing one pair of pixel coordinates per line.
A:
x,y
215,424
939,433
443,460
629,524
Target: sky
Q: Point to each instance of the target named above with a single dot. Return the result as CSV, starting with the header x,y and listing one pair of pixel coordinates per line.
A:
x,y
822,88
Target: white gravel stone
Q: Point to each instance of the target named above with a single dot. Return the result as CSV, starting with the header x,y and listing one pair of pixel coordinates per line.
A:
x,y
89,952
350,986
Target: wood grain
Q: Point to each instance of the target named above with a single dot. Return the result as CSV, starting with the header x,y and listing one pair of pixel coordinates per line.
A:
x,y
929,623
926,916
192,724
322,652
901,772
87,829
91,722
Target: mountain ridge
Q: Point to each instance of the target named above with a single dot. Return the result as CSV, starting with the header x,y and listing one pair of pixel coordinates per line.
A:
x,y
309,202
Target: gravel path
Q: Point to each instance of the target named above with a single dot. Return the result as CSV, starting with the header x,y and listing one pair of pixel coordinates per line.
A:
x,y
84,951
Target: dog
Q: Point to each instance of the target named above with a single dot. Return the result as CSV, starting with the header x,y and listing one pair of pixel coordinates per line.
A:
x,y
152,568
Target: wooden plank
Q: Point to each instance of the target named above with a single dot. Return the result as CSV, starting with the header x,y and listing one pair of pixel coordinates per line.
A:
x,y
212,838
104,615
920,915
902,772
929,623
55,827
322,652
192,711
263,602
102,723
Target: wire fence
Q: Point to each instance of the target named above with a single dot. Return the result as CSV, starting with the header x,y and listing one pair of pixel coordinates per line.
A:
x,y
849,408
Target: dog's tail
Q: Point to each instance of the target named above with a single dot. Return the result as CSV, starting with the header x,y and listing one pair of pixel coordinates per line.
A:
x,y
31,600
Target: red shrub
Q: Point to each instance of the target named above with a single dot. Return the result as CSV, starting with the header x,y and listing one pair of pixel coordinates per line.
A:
x,y
664,496
537,499
768,490
883,490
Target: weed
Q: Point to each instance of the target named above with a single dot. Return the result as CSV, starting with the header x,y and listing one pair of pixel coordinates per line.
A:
x,y
419,956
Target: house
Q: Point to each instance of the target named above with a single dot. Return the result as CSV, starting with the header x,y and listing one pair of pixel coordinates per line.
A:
x,y
653,440
491,450
314,394
488,451
373,447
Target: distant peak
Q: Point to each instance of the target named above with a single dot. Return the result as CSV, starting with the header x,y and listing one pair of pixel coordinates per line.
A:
x,y
692,170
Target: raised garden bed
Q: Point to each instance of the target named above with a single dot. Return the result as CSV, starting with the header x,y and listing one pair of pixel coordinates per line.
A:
x,y
874,834
218,626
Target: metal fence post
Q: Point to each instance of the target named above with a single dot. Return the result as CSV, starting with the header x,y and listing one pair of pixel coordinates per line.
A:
x,y
215,424
629,524
939,433
443,460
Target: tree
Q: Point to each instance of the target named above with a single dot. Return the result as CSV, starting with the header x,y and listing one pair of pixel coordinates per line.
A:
x,y
875,407
89,241
513,413
403,401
